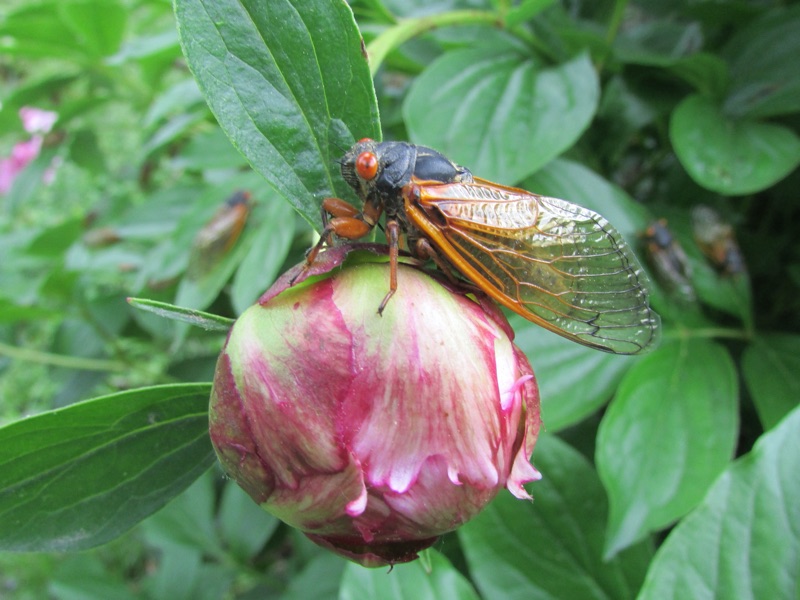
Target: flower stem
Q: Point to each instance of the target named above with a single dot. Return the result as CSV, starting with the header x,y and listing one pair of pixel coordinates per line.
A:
x,y
60,360
406,29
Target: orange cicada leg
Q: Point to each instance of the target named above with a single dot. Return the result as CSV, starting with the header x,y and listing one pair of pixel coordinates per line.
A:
x,y
393,237
347,222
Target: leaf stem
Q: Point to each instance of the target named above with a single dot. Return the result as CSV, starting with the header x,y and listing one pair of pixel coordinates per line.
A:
x,y
613,29
406,29
616,20
60,360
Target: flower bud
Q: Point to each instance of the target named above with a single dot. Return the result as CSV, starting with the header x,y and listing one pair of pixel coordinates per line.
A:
x,y
374,434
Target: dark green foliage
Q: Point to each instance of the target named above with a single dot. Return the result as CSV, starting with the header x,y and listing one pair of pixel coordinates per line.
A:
x,y
638,110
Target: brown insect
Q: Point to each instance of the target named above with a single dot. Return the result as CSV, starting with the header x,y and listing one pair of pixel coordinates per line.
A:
x,y
716,240
557,264
219,235
670,263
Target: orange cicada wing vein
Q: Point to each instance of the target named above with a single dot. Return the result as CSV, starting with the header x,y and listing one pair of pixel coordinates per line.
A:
x,y
557,264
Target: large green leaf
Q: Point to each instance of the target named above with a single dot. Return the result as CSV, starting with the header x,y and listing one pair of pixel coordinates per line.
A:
x,y
37,30
771,369
743,541
673,46
288,83
763,59
500,112
79,476
567,399
572,181
732,157
551,548
669,431
439,581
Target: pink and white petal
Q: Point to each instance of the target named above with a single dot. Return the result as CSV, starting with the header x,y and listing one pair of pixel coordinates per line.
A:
x,y
405,406
36,120
292,395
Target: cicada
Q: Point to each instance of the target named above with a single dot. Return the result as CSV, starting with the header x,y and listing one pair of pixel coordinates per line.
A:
x,y
717,241
219,235
669,261
557,264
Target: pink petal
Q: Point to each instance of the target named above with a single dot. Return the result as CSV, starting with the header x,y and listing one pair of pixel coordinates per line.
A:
x,y
404,406
36,120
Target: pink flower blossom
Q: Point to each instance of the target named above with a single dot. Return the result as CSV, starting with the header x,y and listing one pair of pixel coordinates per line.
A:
x,y
34,121
374,434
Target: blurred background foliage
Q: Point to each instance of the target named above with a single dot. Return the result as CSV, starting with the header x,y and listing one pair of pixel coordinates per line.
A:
x,y
677,120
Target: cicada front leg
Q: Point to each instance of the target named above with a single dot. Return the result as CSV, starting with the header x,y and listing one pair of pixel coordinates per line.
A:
x,y
346,222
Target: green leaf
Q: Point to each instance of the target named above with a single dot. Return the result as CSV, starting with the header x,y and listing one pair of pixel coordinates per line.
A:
x,y
244,525
501,113
288,83
525,10
98,25
209,150
266,256
54,241
86,577
184,536
28,183
708,73
771,369
11,312
551,548
36,31
742,541
80,476
85,151
732,157
207,321
573,182
567,399
409,580
188,519
319,578
674,46
669,431
765,77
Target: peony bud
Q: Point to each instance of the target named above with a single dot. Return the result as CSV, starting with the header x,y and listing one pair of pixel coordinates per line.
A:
x,y
373,434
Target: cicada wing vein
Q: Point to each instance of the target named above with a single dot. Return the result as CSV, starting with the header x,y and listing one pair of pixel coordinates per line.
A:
x,y
557,264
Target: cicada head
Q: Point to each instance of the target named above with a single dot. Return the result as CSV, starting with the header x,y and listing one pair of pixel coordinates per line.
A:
x,y
378,170
356,163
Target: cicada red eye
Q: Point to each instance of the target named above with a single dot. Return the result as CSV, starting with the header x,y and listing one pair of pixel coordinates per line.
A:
x,y
363,140
367,165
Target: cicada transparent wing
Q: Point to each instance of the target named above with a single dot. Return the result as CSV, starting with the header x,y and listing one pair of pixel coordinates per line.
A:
x,y
557,264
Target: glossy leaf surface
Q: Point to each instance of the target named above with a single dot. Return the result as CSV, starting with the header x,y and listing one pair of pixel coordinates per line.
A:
x,y
288,103
742,541
500,113
115,460
670,430
732,157
523,550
